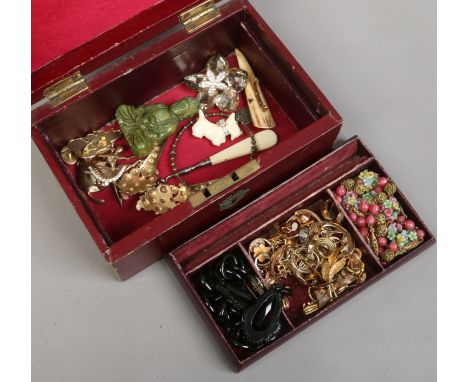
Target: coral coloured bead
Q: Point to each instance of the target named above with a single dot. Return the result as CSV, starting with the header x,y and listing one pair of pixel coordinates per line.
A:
x,y
340,191
420,234
363,206
409,224
360,221
382,241
401,219
393,246
364,231
374,209
353,216
370,220
382,181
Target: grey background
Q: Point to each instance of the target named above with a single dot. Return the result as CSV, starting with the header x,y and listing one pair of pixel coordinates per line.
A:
x,y
376,61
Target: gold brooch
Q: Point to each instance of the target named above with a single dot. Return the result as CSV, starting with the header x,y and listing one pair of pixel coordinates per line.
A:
x,y
318,252
163,198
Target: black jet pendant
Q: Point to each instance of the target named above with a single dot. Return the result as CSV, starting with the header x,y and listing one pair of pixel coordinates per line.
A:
x,y
250,316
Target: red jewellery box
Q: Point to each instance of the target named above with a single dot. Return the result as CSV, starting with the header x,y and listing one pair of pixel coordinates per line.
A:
x,y
144,60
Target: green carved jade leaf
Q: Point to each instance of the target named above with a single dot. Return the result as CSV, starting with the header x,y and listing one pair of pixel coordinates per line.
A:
x,y
145,127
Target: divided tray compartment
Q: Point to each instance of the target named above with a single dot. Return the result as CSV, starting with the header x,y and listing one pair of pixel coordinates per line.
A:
x,y
307,125
192,272
375,166
306,189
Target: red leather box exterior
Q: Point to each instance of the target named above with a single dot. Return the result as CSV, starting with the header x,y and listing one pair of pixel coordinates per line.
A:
x,y
151,54
303,190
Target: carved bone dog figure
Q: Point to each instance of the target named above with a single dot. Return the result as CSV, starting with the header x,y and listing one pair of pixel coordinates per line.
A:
x,y
216,133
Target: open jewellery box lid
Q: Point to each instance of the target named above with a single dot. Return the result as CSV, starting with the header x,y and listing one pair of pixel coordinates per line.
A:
x,y
86,35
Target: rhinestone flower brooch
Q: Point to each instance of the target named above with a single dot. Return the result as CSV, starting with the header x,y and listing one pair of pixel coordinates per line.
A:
x,y
219,85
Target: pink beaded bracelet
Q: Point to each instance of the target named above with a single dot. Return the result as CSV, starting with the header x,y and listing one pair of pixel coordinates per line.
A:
x,y
369,200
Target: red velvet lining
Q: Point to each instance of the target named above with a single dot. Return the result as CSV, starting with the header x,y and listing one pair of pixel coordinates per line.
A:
x,y
60,26
120,221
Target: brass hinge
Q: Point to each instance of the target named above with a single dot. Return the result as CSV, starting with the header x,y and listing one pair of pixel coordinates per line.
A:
x,y
200,15
66,89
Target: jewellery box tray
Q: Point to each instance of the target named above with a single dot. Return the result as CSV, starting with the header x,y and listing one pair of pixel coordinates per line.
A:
x,y
305,190
153,71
